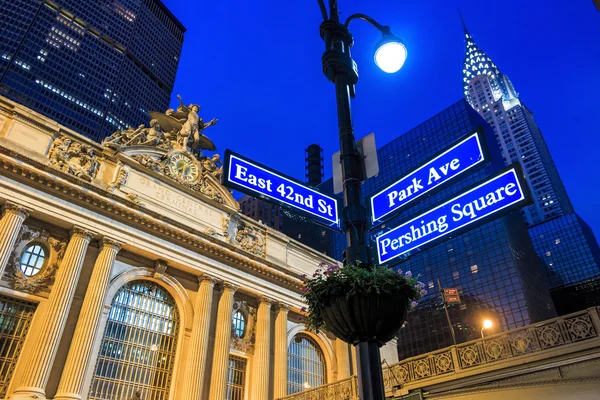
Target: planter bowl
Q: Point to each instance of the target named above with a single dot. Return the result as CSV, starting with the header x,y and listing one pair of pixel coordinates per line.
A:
x,y
365,318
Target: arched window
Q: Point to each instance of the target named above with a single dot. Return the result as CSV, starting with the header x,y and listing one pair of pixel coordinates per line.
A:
x,y
139,343
33,258
239,324
306,364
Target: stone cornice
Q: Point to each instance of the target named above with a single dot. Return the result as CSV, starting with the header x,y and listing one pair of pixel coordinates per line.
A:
x,y
85,194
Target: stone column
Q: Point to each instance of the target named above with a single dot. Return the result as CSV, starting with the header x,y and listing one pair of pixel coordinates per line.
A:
x,y
342,355
281,352
354,367
196,360
71,381
50,326
262,351
218,378
10,226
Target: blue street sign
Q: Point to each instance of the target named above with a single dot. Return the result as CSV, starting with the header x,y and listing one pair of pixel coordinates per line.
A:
x,y
496,196
464,155
254,179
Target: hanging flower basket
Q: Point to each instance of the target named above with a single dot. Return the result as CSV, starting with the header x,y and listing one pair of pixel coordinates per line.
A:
x,y
359,304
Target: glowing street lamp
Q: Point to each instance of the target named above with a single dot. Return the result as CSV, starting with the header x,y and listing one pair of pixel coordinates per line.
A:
x,y
390,52
487,324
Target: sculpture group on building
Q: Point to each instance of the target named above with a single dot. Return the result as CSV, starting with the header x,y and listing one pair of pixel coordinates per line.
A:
x,y
179,129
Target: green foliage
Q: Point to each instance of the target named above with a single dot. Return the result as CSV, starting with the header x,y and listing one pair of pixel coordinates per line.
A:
x,y
331,281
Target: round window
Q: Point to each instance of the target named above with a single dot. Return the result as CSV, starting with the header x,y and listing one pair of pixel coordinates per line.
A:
x,y
33,259
239,324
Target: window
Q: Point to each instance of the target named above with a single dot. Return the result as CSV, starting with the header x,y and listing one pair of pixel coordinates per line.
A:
x,y
15,318
33,259
239,324
474,269
306,364
138,348
236,376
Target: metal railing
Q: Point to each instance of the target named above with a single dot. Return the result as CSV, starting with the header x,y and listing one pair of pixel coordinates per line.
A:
x,y
512,345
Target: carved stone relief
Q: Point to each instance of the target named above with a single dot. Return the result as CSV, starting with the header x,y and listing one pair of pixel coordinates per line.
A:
x,y
250,239
120,180
244,343
74,158
42,279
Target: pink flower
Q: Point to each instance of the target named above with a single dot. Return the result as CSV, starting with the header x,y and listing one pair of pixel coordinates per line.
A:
x,y
413,304
408,273
423,292
303,309
400,271
304,289
303,276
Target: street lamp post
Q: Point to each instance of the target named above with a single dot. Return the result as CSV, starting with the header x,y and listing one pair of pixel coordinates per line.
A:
x,y
487,324
340,69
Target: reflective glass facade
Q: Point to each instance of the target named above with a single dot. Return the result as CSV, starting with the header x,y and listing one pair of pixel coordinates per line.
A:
x,y
568,248
494,266
94,66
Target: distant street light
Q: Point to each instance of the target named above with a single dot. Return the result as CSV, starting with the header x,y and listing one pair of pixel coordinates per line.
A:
x,y
487,324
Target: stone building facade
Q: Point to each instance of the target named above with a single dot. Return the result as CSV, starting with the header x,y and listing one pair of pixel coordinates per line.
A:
x,y
130,269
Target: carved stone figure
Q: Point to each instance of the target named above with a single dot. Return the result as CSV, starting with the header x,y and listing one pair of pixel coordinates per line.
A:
x,y
213,165
250,239
73,158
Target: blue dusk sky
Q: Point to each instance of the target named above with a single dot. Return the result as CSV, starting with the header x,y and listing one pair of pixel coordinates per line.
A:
x,y
256,65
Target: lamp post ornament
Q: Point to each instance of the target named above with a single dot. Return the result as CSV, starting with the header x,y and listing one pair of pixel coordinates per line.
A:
x,y
340,69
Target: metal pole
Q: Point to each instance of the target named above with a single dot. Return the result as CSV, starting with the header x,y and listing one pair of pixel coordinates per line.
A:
x,y
339,68
447,314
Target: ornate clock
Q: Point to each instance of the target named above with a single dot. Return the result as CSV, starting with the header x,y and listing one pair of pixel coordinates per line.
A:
x,y
183,167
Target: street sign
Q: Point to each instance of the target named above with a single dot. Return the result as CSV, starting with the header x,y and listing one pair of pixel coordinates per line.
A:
x,y
497,195
367,151
451,296
463,156
254,179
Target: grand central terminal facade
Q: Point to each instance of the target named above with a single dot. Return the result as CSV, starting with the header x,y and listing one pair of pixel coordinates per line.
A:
x,y
129,272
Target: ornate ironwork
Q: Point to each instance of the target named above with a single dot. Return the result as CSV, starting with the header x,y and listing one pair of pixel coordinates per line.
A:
x,y
236,378
138,348
16,316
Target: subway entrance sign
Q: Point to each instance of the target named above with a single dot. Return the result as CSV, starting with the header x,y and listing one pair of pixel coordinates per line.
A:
x,y
256,180
465,155
497,195
451,296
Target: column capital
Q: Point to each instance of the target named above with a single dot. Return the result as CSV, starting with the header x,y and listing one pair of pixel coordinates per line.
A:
x,y
82,233
266,300
111,243
228,286
282,307
210,280
16,209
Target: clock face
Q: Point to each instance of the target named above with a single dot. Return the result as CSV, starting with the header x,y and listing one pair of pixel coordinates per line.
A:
x,y
183,167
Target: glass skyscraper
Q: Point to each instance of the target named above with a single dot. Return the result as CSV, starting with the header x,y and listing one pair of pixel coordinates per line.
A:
x,y
561,238
94,66
494,266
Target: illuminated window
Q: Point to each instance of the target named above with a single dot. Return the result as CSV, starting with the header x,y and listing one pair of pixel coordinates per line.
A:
x,y
455,275
306,364
431,285
15,319
138,348
548,254
239,324
557,241
33,259
474,269
236,377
